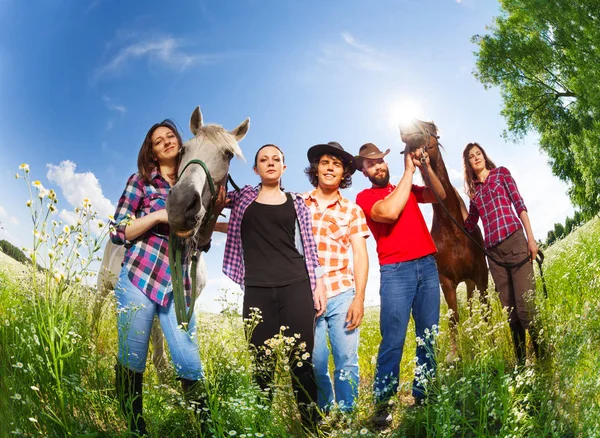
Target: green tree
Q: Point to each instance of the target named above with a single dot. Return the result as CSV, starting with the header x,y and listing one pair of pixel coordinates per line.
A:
x,y
544,56
12,251
551,238
559,231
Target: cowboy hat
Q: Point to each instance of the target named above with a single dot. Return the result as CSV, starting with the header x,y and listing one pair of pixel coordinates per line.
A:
x,y
368,151
331,148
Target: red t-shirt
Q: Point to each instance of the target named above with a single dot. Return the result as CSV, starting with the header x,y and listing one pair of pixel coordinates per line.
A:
x,y
406,239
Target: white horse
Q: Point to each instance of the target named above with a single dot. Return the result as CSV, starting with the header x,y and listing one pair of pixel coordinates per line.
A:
x,y
189,206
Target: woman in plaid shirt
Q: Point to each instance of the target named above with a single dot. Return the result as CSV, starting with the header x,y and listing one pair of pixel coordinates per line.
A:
x,y
270,252
494,193
144,288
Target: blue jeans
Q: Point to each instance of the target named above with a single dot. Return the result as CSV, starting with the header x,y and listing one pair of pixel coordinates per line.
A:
x,y
135,314
344,345
406,286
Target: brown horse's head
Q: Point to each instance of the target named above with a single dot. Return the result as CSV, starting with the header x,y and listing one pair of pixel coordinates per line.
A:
x,y
418,134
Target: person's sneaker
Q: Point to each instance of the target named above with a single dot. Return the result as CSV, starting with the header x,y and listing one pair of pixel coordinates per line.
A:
x,y
382,416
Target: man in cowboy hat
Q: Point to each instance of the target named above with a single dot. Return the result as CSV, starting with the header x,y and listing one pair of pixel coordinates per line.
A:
x,y
338,226
409,277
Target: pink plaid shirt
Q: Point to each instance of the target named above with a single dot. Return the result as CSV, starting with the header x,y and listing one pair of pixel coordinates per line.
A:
x,y
493,202
147,256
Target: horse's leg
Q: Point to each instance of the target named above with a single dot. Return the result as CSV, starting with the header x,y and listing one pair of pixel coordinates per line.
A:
x,y
159,357
449,289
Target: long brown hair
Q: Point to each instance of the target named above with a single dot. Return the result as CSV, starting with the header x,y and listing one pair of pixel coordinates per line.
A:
x,y
470,176
145,161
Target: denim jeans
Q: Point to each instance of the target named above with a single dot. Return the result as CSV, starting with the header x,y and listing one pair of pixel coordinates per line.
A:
x,y
344,344
135,314
405,287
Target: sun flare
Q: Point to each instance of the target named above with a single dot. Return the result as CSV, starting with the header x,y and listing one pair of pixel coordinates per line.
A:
x,y
402,111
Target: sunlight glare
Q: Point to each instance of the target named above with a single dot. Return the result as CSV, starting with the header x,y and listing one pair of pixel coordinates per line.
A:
x,y
404,110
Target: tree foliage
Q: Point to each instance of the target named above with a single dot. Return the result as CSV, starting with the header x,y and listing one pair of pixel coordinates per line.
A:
x,y
544,55
559,231
12,251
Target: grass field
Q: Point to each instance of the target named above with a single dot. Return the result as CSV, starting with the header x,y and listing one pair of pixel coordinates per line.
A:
x,y
56,367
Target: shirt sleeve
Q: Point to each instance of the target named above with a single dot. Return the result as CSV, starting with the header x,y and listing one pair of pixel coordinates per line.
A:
x,y
126,208
366,203
310,247
513,191
472,218
232,196
358,223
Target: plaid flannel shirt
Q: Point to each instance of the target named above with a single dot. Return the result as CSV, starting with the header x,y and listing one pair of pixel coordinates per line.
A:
x,y
233,260
493,201
332,227
147,256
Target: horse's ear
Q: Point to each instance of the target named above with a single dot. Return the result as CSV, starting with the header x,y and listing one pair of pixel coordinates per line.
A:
x,y
196,121
241,131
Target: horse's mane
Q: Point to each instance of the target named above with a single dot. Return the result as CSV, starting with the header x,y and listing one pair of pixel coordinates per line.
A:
x,y
222,138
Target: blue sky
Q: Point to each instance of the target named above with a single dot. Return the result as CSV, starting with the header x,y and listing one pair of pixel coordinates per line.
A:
x,y
82,81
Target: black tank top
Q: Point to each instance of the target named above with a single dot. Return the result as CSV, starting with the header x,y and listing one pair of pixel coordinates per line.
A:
x,y
268,241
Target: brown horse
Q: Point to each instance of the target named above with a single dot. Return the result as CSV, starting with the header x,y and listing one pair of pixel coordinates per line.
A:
x,y
458,258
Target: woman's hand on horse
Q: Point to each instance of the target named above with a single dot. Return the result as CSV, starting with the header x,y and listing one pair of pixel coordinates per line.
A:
x,y
221,201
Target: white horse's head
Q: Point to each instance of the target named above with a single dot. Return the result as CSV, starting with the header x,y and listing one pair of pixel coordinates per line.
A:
x,y
205,157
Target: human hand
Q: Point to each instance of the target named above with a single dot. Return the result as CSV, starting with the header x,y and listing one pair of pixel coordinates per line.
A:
x,y
221,200
355,314
419,156
533,249
409,164
320,297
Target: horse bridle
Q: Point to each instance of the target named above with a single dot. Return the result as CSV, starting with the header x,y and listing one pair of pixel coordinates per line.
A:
x,y
177,245
213,196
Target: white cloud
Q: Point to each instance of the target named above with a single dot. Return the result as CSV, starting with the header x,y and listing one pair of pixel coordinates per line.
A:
x,y
456,177
3,214
78,186
120,109
354,54
166,51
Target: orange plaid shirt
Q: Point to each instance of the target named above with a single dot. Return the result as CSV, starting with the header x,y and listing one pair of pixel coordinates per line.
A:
x,y
332,228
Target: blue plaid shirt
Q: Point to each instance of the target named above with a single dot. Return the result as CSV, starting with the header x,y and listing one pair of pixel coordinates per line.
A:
x,y
233,260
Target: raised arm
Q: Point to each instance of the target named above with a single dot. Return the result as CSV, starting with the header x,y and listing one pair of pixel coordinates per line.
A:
x,y
389,209
433,183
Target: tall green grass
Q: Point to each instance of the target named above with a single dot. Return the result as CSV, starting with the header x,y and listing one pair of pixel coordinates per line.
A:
x,y
56,367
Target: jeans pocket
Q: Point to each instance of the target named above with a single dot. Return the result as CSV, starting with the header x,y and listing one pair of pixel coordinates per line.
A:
x,y
392,267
